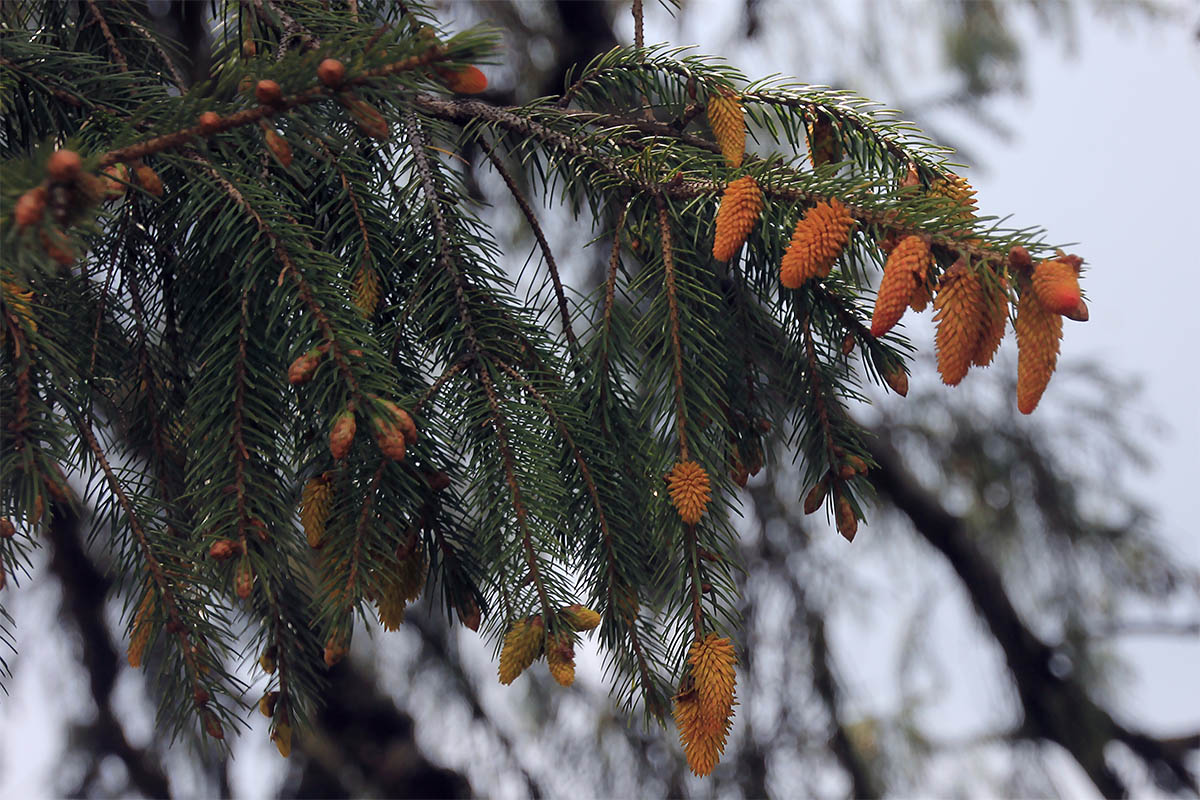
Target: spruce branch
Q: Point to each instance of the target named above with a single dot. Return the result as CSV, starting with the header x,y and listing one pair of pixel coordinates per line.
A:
x,y
117,55
664,229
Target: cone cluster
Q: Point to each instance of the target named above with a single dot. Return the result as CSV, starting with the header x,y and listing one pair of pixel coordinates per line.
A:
x,y
704,712
741,204
522,645
729,128
687,483
904,280
315,500
819,238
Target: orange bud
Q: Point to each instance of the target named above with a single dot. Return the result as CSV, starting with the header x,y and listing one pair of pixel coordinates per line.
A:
x,y
7,531
470,617
30,207
1056,285
266,704
341,434
64,166
847,522
817,241
331,72
302,369
741,204
278,147
268,93
209,121
243,579
113,180
816,496
897,379
468,80
212,725
335,650
149,180
369,120
224,549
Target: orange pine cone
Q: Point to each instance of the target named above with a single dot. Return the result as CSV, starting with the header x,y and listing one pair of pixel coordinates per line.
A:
x,y
560,659
818,240
687,483
995,318
522,645
725,119
341,434
1038,333
467,80
741,204
903,276
1056,285
959,314
278,147
712,661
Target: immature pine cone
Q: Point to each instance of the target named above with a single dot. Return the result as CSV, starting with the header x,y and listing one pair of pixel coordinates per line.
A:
x,y
580,617
560,659
467,80
687,483
741,204
904,273
1056,285
995,318
522,644
725,119
315,500
366,290
302,369
818,240
1038,333
341,434
959,314
278,147
704,712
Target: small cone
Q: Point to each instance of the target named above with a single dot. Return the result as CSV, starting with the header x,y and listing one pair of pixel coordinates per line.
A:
x,y
816,496
581,618
737,215
904,273
897,379
522,644
1056,285
278,147
303,368
703,713
819,238
315,500
341,434
366,290
687,483
560,659
728,127
282,736
1038,333
995,319
847,521
467,80
959,315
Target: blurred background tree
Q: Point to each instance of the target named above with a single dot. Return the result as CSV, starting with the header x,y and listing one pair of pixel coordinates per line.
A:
x,y
1028,524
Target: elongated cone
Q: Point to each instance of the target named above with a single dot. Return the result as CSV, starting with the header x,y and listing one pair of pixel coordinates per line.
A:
x,y
725,117
522,645
560,659
466,80
995,319
143,626
282,736
302,369
366,290
687,483
315,500
1038,333
819,238
341,434
959,315
905,271
1056,285
580,617
704,713
741,204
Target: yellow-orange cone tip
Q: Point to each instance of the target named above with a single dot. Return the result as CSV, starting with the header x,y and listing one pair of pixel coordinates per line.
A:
x,y
687,484
741,204
1038,333
725,117
1056,285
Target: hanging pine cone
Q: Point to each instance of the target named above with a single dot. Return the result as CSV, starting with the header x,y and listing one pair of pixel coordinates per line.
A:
x,y
959,315
905,271
687,483
1056,285
819,238
560,658
741,204
522,645
315,501
366,290
341,434
995,318
704,712
1038,333
580,617
725,117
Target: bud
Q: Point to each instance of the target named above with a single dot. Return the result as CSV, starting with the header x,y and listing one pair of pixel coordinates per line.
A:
x,y
470,616
335,650
282,736
580,617
897,379
689,490
268,93
64,166
278,147
266,704
224,549
243,579
816,496
817,241
260,529
148,179
341,434
201,696
209,121
845,472
848,344
467,80
1056,285
212,725
1019,259
113,180
302,369
30,207
859,466
847,522
438,481
368,118
7,531
331,72
267,660
249,48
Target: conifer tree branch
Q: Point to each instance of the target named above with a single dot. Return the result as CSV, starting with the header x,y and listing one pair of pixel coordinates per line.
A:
x,y
240,454
664,229
531,218
436,386
117,55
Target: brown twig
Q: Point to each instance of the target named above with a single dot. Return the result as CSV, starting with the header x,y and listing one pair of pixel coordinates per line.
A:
x,y
118,56
436,386
664,228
